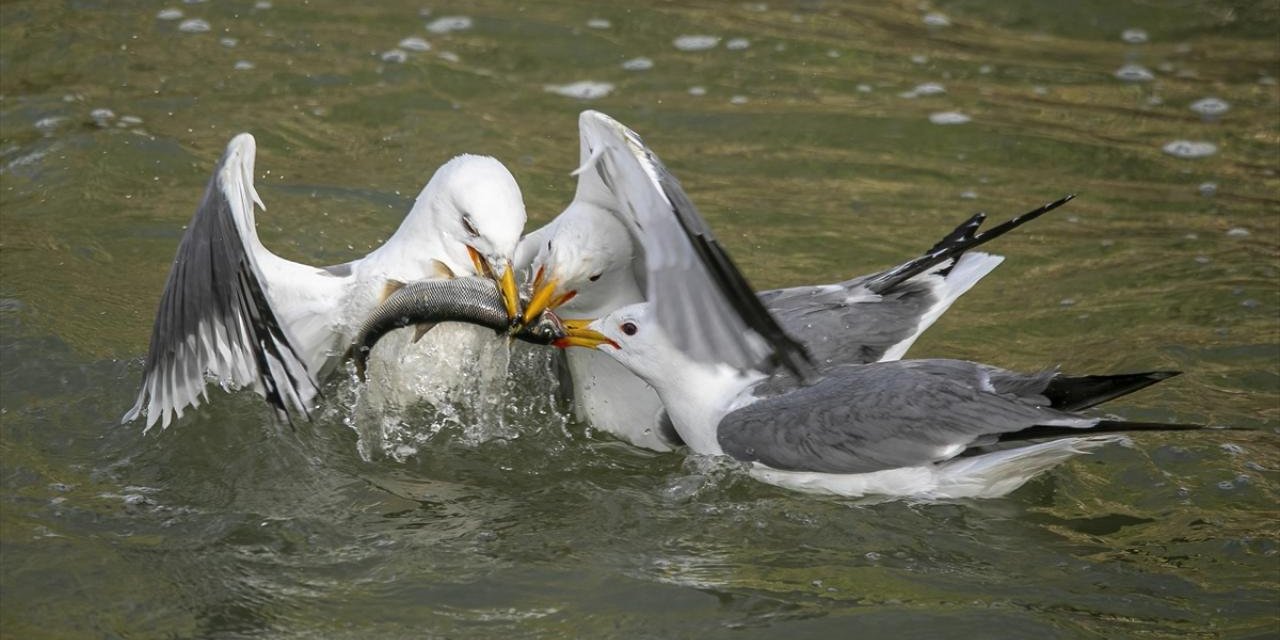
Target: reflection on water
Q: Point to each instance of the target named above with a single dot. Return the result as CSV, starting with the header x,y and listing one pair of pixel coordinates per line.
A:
x,y
820,139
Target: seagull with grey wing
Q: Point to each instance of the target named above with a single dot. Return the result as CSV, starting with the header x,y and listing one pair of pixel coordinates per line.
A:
x,y
736,384
622,240
236,312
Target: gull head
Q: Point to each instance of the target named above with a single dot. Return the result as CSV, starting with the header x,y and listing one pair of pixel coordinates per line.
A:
x,y
479,214
630,335
584,266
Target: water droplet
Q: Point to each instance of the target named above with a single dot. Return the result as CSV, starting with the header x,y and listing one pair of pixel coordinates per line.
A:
x,y
1135,73
584,90
448,24
1134,36
414,43
599,23
1210,106
194,25
737,44
695,42
1190,149
936,20
949,117
926,89
638,64
394,55
169,14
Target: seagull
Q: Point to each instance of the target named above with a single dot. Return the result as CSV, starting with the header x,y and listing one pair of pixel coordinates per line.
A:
x,y
593,259
234,311
926,429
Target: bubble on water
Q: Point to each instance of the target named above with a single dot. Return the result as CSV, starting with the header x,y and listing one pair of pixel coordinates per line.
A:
x,y
169,14
864,88
832,53
638,64
102,116
1267,80
936,20
130,120
414,43
1203,259
449,24
262,5
1250,303
926,89
599,23
448,56
193,1
1155,101
194,25
919,58
1067,302
755,7
1208,189
739,99
1237,232
872,556
986,69
737,44
1210,106
1135,73
395,55
584,90
245,65
1134,36
1190,149
969,195
696,42
697,91
229,42
1226,485
948,117
50,123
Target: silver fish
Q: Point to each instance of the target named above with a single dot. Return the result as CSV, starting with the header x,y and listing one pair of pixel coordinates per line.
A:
x,y
426,303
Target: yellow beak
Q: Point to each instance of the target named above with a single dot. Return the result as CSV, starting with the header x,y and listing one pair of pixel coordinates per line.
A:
x,y
579,335
545,296
506,284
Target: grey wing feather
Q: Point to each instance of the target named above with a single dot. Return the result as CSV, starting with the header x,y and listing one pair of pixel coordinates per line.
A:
x,y
214,315
864,418
701,299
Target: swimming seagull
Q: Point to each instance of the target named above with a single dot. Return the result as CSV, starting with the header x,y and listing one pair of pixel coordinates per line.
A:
x,y
933,429
597,256
234,311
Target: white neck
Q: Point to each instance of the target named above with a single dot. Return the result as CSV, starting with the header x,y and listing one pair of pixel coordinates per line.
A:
x,y
697,396
415,242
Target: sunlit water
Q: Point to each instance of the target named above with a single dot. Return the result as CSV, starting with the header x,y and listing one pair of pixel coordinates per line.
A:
x,y
820,140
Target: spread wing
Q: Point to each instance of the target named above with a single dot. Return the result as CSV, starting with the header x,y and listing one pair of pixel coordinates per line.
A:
x,y
215,317
701,299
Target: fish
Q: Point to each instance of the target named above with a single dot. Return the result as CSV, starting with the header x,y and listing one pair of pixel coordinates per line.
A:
x,y
426,303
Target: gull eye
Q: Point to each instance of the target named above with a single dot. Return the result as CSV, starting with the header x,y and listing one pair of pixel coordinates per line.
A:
x,y
595,277
469,226
629,328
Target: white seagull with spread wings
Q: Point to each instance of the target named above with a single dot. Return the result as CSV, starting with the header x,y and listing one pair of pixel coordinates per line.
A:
x,y
236,312
631,235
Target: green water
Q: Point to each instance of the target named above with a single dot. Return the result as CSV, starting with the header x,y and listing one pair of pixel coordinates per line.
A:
x,y
811,165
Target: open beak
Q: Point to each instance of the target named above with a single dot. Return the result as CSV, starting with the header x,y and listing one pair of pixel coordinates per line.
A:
x,y
546,295
506,282
579,334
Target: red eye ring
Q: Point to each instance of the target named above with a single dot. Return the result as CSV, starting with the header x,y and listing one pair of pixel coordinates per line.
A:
x,y
629,328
